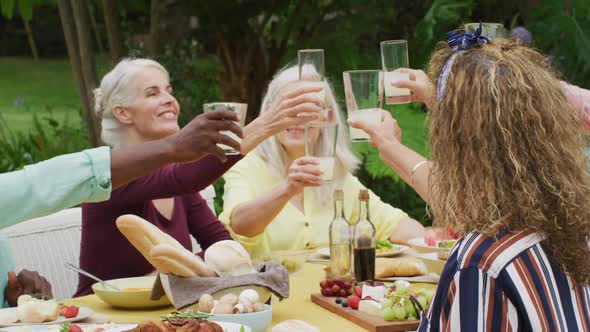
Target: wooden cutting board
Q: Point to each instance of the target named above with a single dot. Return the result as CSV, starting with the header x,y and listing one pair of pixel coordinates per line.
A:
x,y
366,321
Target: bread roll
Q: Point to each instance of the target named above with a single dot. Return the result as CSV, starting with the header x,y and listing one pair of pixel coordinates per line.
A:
x,y
399,267
181,262
143,235
228,257
162,251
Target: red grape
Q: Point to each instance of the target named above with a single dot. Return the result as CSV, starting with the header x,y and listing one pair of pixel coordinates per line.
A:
x,y
330,282
324,293
323,284
335,289
343,292
328,292
339,282
346,285
378,283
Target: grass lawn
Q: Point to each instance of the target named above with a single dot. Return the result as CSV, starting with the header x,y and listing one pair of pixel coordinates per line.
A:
x,y
45,87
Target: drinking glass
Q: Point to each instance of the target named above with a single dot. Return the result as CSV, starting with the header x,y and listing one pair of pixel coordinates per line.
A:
x,y
240,109
320,142
364,99
311,72
490,30
394,55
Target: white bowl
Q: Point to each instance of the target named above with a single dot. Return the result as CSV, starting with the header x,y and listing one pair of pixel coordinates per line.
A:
x,y
258,321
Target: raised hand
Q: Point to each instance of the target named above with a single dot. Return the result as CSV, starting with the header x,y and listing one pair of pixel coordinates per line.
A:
x,y
296,106
420,84
201,136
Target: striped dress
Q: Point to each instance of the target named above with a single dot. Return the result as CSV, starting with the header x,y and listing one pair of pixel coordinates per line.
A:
x,y
506,284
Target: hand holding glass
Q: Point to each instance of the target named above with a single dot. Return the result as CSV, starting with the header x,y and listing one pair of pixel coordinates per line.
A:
x,y
364,99
240,109
320,142
394,55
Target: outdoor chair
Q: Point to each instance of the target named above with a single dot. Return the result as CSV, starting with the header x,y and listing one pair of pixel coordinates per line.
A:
x,y
45,244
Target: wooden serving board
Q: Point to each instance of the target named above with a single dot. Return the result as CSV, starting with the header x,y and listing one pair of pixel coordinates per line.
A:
x,y
368,322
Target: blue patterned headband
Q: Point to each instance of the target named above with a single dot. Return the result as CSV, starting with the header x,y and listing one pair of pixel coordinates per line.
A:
x,y
459,43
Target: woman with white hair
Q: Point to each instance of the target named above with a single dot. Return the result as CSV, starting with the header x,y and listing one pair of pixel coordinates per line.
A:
x,y
136,105
274,198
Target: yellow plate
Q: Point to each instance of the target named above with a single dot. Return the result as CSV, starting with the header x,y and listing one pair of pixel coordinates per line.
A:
x,y
135,293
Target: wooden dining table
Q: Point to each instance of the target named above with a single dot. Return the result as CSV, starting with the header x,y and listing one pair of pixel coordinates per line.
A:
x,y
297,306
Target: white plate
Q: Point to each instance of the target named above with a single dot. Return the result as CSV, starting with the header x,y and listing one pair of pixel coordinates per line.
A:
x,y
430,278
228,327
421,246
83,313
325,252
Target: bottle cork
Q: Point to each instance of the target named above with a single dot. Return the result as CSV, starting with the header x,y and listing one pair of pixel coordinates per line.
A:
x,y
364,195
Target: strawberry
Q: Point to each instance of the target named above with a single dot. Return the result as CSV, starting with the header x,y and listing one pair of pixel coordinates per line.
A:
x,y
62,309
358,291
70,312
353,302
75,328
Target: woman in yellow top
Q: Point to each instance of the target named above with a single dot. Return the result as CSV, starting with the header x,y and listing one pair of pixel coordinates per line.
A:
x,y
274,198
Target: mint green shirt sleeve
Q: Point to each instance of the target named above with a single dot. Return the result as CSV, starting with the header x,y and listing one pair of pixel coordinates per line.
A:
x,y
6,264
54,185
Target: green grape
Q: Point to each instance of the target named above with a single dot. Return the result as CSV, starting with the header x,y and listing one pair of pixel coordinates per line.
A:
x,y
412,317
389,314
387,303
422,300
399,313
400,291
409,308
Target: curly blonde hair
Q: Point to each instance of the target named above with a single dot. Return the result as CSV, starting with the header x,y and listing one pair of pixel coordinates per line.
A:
x,y
508,151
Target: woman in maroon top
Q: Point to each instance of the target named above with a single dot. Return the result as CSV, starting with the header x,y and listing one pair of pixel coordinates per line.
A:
x,y
136,105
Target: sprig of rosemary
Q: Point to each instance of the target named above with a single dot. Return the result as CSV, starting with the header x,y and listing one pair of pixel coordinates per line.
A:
x,y
183,315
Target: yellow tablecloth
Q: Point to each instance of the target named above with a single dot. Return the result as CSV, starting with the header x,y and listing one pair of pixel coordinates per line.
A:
x,y
297,306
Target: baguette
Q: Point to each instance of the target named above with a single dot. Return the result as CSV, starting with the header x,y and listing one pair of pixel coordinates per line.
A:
x,y
170,260
399,267
143,235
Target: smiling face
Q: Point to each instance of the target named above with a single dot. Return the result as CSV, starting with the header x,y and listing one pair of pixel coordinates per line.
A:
x,y
153,114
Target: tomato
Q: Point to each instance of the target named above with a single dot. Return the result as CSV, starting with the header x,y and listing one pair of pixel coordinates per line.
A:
x,y
70,312
74,327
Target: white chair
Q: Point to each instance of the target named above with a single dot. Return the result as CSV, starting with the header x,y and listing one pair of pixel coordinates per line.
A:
x,y
45,244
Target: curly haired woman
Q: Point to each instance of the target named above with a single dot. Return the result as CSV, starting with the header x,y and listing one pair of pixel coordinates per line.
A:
x,y
508,169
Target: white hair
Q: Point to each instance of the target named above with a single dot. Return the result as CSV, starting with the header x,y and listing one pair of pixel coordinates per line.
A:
x,y
117,88
273,152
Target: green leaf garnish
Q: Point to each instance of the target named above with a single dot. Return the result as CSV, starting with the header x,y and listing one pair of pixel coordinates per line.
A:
x,y
183,315
64,327
385,244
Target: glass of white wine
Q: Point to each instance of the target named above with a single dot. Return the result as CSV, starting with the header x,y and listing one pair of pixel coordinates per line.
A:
x,y
364,99
240,109
320,142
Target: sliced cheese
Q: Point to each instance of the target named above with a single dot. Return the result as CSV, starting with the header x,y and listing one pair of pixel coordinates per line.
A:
x,y
377,293
370,307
